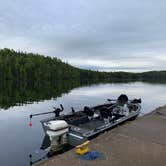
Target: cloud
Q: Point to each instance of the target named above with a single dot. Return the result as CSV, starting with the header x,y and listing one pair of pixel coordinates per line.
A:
x,y
96,34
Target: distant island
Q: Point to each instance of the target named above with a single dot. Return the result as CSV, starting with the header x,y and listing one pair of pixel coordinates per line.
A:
x,y
28,67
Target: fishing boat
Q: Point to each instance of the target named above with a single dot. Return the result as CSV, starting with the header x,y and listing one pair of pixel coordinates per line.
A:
x,y
79,126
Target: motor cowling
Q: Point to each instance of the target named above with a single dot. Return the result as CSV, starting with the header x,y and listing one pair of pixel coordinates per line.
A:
x,y
56,125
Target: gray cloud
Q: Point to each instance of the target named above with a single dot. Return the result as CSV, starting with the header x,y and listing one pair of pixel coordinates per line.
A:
x,y
118,34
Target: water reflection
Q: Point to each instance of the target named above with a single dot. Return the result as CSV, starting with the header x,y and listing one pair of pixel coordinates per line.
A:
x,y
12,93
20,93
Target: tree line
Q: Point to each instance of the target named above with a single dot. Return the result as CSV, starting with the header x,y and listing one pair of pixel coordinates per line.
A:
x,y
28,67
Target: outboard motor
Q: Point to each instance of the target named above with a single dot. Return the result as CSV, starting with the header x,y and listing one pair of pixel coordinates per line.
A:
x,y
57,131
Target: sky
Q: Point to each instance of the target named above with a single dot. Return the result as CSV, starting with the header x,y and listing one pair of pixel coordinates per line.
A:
x,y
104,35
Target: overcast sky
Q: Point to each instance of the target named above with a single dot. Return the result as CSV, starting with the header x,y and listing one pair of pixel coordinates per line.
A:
x,y
108,35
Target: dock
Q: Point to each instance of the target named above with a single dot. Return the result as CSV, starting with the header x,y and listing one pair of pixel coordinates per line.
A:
x,y
141,142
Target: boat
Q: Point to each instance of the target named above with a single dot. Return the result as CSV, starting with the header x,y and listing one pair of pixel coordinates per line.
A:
x,y
79,126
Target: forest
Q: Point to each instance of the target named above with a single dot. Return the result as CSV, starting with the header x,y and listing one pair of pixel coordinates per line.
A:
x,y
28,67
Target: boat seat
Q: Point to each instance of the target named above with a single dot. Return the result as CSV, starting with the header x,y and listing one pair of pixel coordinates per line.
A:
x,y
105,112
122,99
88,111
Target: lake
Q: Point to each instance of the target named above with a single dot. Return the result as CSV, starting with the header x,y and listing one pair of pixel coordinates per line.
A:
x,y
18,140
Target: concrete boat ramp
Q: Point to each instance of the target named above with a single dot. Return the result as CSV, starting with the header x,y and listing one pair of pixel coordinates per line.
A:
x,y
141,142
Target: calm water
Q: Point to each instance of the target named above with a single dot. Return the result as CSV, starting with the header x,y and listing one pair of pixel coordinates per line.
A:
x,y
18,140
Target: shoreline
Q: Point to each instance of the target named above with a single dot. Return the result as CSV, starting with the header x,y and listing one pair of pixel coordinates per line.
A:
x,y
134,143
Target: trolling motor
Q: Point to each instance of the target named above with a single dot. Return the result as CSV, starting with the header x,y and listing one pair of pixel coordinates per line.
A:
x,y
56,112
